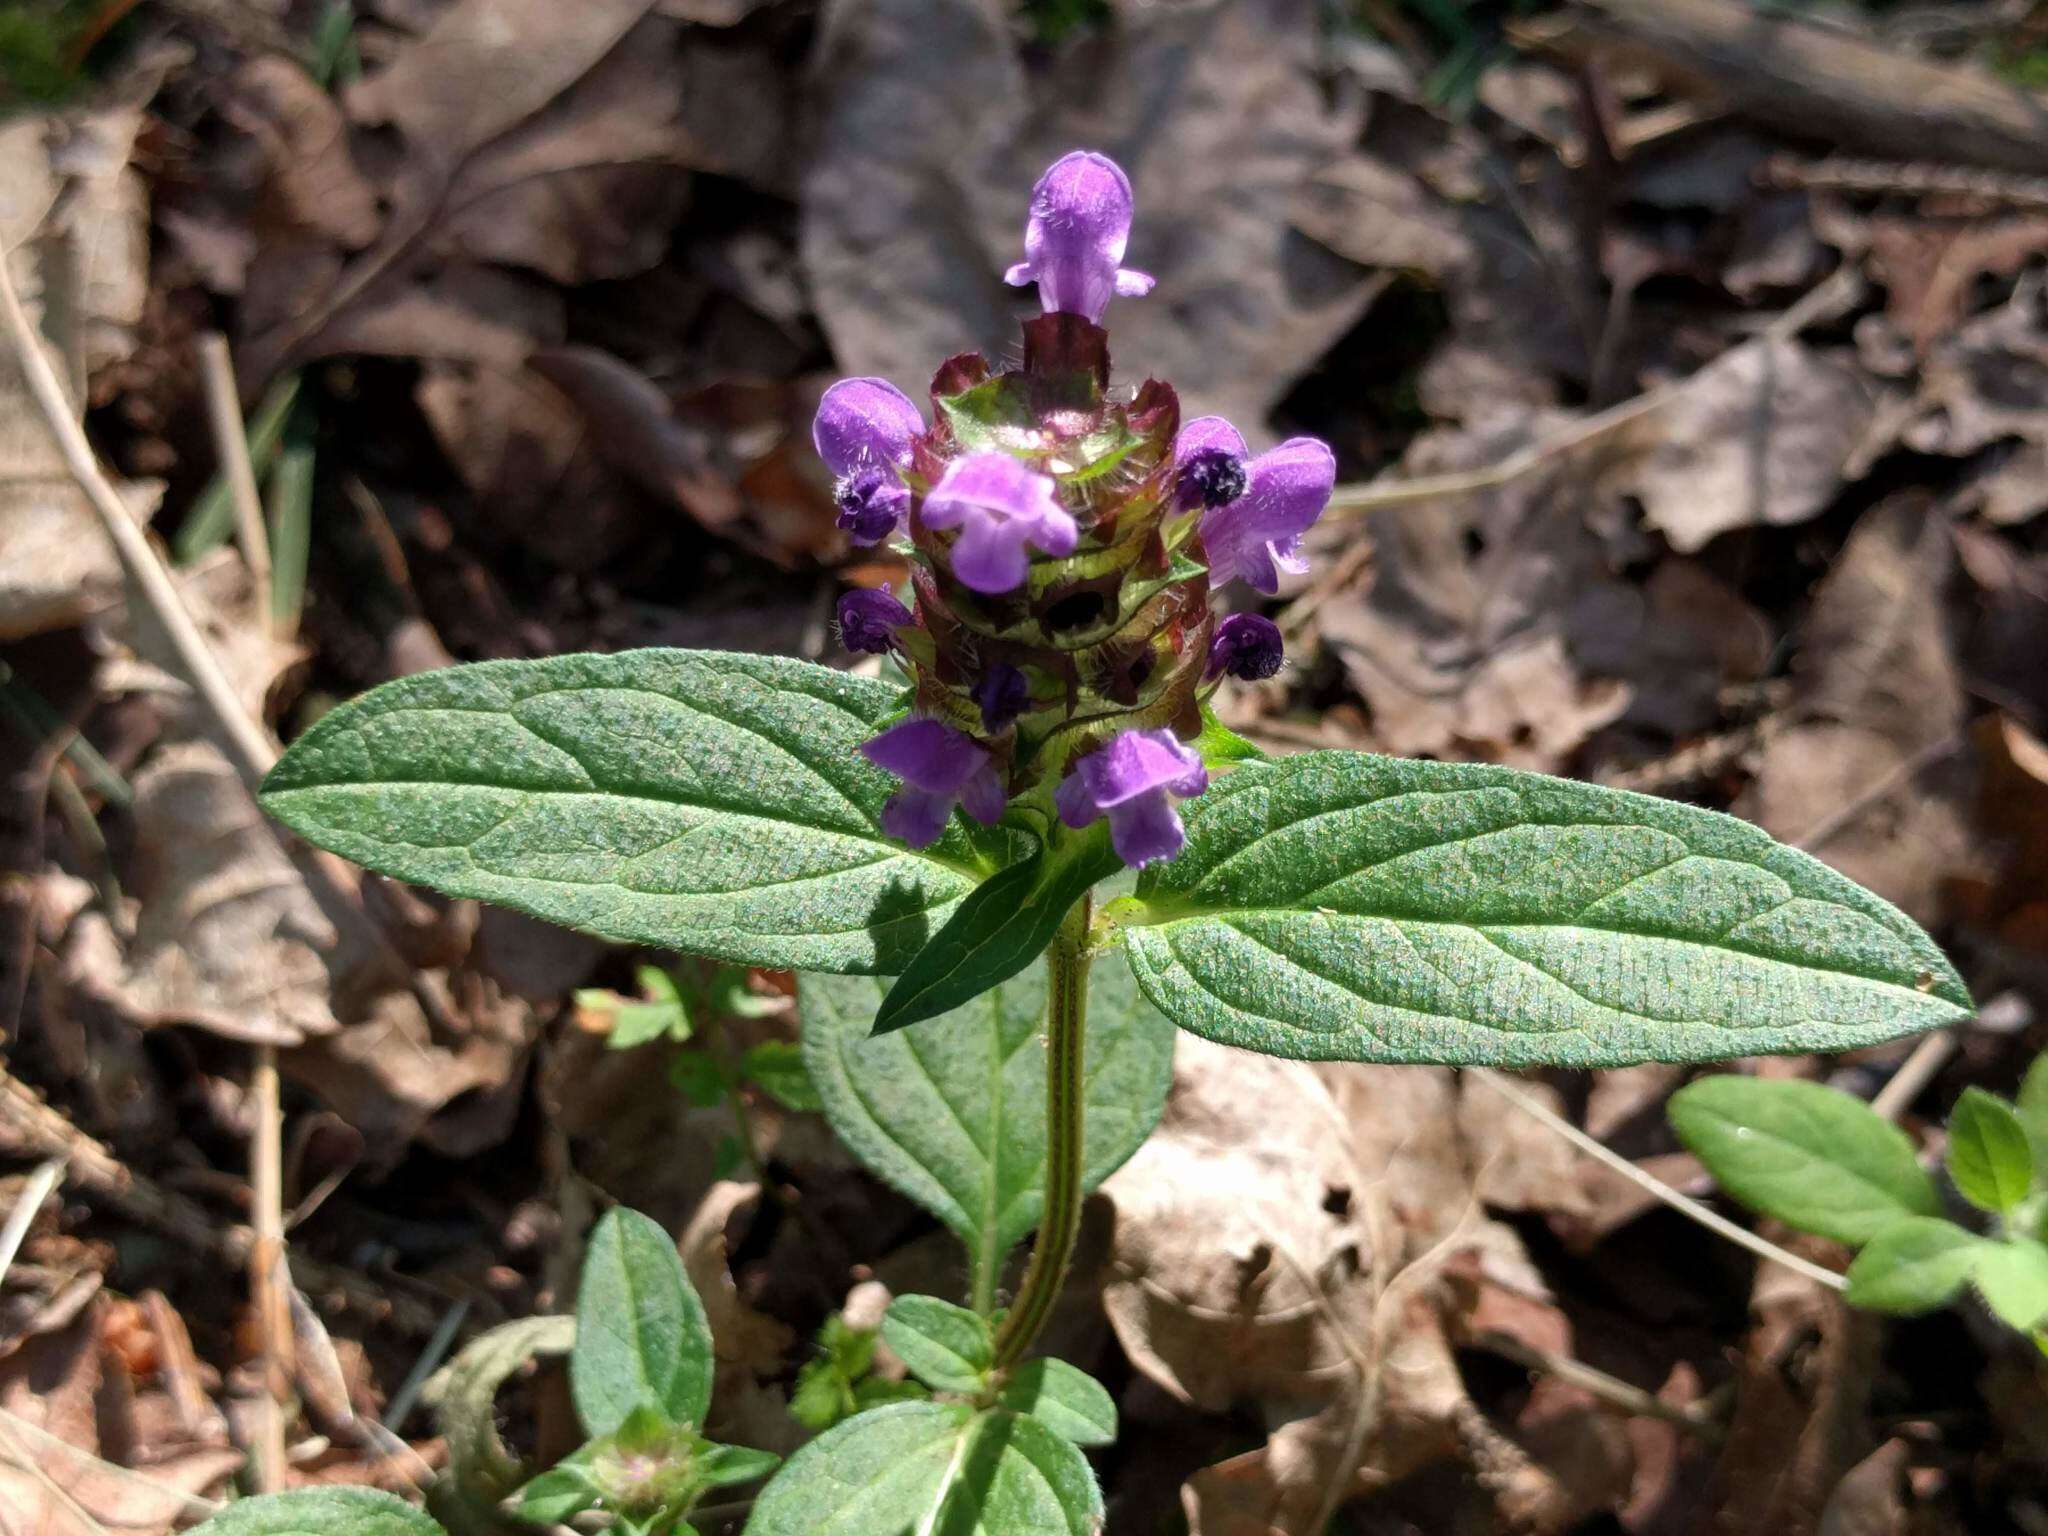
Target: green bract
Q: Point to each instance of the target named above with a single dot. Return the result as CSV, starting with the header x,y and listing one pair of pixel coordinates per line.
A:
x,y
1341,906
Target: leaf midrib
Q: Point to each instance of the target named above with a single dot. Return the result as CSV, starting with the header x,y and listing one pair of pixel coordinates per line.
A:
x,y
1155,918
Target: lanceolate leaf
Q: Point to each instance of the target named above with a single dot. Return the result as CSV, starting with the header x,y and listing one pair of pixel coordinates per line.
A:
x,y
1341,906
952,1111
942,1468
1064,1398
642,1339
696,800
1809,1155
946,1347
321,1512
1002,926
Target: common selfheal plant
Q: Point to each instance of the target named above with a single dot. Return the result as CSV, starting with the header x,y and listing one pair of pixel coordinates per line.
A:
x,y
1058,650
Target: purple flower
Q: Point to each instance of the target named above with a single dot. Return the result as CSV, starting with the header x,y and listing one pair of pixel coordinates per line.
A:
x,y
1247,645
938,766
1134,781
999,504
863,432
1257,536
1209,477
1074,239
868,620
1003,695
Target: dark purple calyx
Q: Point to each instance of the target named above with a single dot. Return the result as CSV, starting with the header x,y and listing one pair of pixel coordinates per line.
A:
x,y
1213,477
1002,695
868,620
1247,646
871,503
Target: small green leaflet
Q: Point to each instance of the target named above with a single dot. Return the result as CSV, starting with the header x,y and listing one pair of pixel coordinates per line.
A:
x,y
321,1512
1989,1156
1002,926
952,1111
2012,1277
1064,1398
943,1468
1914,1265
1815,1157
948,1348
641,1335
2033,1110
1340,906
695,800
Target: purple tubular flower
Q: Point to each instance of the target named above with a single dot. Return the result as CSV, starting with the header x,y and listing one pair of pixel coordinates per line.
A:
x,y
1257,536
1247,645
1003,695
939,766
863,432
868,620
1075,237
1135,782
999,504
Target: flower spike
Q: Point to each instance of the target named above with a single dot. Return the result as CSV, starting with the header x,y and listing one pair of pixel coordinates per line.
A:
x,y
1075,237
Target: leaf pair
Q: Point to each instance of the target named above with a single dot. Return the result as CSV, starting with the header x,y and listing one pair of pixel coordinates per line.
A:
x,y
1332,905
1825,1162
1004,1462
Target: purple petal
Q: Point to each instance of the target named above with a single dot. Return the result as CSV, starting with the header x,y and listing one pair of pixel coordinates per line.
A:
x,y
1073,801
1206,432
1247,646
999,504
1137,762
869,619
1146,829
926,754
916,816
983,797
1257,536
862,423
1075,236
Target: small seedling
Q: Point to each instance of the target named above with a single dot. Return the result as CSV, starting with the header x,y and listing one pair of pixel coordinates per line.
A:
x,y
1824,1162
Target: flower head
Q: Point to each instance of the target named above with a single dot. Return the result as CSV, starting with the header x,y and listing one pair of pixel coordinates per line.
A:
x,y
1135,782
869,619
1247,646
863,432
1258,535
1075,236
999,504
939,767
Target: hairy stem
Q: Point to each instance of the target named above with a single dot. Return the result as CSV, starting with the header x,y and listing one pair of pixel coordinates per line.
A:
x,y
1066,1030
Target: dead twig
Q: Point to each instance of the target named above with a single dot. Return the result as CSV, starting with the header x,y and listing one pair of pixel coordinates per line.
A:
x,y
231,447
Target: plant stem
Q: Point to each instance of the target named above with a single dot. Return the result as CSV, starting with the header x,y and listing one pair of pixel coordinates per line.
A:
x,y
1066,1030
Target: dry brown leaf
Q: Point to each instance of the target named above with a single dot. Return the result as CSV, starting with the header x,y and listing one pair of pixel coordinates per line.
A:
x,y
70,207
1763,435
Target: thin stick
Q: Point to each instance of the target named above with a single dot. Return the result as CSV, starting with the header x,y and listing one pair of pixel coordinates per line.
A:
x,y
408,1393
231,447
1611,1390
33,1193
1918,1069
1713,1221
266,1262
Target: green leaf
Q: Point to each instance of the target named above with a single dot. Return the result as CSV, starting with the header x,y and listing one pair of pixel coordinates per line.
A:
x,y
556,1494
1339,906
938,1469
2012,1277
1004,925
701,1076
694,800
1988,1153
2033,1112
1914,1265
952,1111
948,1348
321,1512
464,1397
641,1336
635,1023
777,1068
1221,747
1065,1399
720,1466
1815,1157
